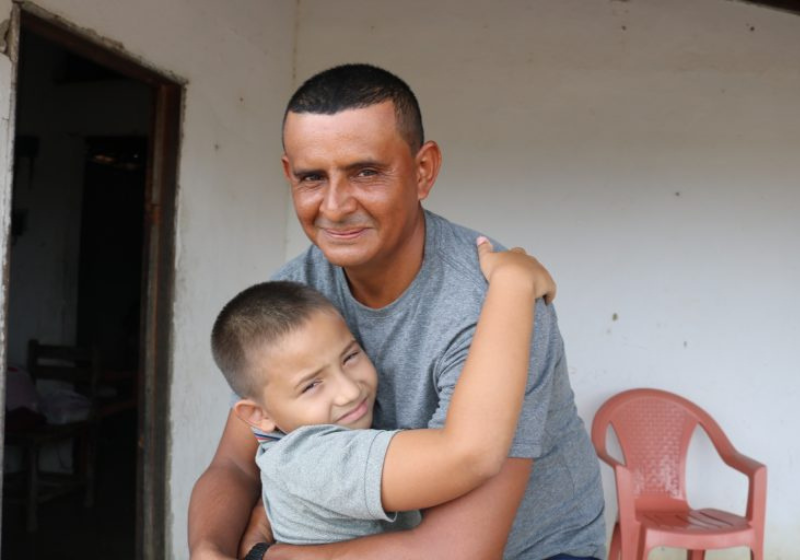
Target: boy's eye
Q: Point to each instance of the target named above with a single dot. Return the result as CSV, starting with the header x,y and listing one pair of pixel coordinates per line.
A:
x,y
311,386
352,356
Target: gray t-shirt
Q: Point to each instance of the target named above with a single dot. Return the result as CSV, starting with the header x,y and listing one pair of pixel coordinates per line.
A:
x,y
419,344
322,484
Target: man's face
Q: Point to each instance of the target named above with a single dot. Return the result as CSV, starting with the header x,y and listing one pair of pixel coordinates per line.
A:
x,y
317,374
356,186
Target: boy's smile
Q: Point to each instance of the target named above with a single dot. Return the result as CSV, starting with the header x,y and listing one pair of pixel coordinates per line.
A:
x,y
316,374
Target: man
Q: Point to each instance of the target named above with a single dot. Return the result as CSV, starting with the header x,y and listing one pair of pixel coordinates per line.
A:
x,y
359,167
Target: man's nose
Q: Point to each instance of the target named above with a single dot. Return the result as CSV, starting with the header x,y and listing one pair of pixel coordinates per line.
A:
x,y
338,200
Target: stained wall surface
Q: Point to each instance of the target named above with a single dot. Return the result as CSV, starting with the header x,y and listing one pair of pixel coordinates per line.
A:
x,y
645,151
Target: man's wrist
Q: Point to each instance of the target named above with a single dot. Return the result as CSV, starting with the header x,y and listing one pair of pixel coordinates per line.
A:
x,y
258,551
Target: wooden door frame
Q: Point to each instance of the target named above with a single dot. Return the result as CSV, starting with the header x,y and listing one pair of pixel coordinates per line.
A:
x,y
158,258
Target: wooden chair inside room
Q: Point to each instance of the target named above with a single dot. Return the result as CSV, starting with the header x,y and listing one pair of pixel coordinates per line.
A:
x,y
654,429
80,368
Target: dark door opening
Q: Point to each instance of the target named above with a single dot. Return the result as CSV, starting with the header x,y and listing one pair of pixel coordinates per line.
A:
x,y
90,264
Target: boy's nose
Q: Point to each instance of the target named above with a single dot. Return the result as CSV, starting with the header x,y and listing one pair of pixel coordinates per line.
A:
x,y
349,390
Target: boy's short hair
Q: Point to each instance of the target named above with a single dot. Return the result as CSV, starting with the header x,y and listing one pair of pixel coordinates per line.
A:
x,y
357,86
261,314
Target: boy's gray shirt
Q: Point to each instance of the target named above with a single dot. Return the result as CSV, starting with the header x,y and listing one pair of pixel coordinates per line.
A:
x,y
322,484
419,344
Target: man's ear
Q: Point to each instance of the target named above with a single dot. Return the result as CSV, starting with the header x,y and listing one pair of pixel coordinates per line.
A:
x,y
287,168
428,162
255,415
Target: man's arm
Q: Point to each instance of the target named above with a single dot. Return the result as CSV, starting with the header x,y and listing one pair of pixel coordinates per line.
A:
x,y
224,495
472,527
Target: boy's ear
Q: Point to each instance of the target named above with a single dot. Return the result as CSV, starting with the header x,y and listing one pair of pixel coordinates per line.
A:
x,y
255,415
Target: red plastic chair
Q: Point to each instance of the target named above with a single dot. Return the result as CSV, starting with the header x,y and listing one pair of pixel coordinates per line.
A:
x,y
654,428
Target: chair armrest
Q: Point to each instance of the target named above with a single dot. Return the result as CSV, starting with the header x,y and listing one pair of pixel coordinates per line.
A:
x,y
757,488
626,492
626,502
742,463
604,456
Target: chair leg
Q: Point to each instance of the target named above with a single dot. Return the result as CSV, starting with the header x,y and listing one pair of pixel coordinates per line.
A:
x,y
695,554
32,499
613,548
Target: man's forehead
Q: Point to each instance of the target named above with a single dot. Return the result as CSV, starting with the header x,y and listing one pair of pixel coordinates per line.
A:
x,y
378,118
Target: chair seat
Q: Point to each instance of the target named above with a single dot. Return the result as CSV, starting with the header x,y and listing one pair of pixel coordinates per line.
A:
x,y
701,529
694,522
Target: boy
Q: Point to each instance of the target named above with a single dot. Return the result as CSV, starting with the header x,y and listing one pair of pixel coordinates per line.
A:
x,y
309,388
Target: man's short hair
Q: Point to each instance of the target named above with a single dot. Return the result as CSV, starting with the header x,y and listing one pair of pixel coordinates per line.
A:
x,y
259,315
356,86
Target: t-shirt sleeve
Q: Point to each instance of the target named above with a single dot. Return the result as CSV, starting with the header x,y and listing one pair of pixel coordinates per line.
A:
x,y
327,468
546,357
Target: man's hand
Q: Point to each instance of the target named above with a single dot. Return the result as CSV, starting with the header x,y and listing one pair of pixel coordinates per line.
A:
x,y
224,495
258,530
472,527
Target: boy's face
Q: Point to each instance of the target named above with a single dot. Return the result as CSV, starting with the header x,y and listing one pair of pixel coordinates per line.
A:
x,y
317,374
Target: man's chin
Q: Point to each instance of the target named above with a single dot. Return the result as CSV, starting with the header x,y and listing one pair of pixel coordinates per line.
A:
x,y
344,256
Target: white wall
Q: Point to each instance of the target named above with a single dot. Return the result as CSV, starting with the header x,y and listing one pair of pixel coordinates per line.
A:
x,y
577,123
236,61
647,151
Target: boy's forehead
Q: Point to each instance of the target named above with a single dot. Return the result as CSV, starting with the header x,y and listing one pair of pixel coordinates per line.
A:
x,y
311,344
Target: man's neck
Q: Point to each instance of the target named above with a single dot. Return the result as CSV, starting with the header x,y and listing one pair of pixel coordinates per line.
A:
x,y
382,283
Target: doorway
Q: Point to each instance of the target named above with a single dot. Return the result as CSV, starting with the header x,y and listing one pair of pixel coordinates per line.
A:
x,y
90,264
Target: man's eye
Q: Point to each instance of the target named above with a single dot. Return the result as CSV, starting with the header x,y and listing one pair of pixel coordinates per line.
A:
x,y
367,173
310,178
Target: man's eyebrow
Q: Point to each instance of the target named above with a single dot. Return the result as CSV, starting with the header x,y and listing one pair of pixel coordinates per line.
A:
x,y
300,172
356,165
366,163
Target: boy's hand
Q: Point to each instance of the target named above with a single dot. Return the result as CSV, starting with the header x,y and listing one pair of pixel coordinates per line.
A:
x,y
518,263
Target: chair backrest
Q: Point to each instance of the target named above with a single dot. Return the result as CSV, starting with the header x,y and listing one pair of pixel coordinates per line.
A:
x,y
654,429
76,365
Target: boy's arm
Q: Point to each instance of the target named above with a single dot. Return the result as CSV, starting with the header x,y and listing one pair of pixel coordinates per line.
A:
x,y
424,468
223,497
472,527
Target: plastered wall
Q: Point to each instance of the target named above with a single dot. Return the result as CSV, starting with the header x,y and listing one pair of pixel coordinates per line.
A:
x,y
235,62
647,152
